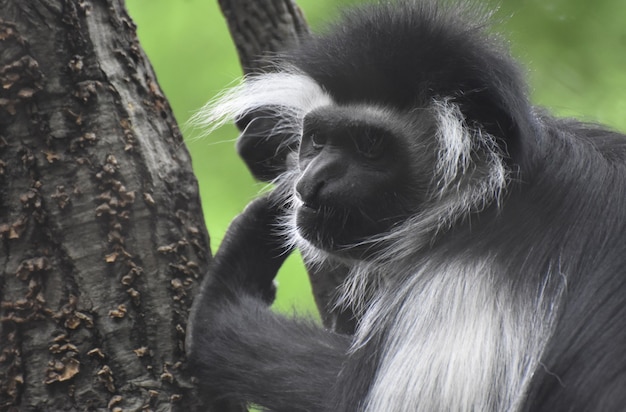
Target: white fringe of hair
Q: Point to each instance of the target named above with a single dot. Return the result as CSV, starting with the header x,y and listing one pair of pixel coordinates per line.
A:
x,y
289,94
451,345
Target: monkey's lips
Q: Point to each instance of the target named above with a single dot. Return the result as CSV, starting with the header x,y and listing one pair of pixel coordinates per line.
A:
x,y
316,224
342,229
326,227
309,208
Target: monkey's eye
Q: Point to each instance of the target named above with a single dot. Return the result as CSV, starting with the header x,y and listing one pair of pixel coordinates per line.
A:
x,y
318,140
371,146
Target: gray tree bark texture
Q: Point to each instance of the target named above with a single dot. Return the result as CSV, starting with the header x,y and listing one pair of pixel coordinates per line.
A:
x,y
102,238
262,28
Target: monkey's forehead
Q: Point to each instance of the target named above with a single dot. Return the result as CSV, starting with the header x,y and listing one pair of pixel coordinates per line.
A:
x,y
404,54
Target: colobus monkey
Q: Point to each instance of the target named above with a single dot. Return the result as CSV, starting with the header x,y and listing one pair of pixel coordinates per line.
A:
x,y
484,240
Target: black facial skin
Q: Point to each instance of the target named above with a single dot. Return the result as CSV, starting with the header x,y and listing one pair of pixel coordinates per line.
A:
x,y
355,180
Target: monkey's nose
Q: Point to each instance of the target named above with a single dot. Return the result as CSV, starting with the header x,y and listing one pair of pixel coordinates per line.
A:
x,y
308,191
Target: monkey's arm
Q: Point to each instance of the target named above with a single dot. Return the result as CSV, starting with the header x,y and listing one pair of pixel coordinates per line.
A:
x,y
237,347
264,146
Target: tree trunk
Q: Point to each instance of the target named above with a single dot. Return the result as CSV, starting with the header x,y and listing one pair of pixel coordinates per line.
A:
x,y
102,238
260,28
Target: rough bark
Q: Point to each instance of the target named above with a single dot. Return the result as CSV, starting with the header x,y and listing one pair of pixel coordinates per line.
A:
x,y
260,28
102,237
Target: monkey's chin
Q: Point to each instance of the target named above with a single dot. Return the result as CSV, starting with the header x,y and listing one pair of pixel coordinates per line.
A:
x,y
319,226
330,229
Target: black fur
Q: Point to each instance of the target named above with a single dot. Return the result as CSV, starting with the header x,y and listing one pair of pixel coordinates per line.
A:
x,y
553,235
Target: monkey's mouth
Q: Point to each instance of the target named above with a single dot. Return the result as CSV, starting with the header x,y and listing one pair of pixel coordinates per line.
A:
x,y
320,225
330,228
312,218
309,208
336,229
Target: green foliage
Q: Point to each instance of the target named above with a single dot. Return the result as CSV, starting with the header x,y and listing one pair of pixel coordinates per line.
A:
x,y
575,52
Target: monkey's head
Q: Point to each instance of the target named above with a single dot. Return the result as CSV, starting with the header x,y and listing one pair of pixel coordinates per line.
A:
x,y
362,171
379,132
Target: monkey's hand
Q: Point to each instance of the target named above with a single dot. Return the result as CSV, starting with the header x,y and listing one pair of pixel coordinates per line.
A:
x,y
243,268
250,254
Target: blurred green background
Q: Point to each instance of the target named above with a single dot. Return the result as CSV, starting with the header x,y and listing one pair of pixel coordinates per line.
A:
x,y
574,52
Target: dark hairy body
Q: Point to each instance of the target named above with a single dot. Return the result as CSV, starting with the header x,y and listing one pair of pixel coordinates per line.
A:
x,y
483,241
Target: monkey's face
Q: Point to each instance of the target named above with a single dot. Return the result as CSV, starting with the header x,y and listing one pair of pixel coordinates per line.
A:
x,y
358,179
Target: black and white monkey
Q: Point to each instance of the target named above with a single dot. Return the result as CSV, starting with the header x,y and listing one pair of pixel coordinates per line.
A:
x,y
484,241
